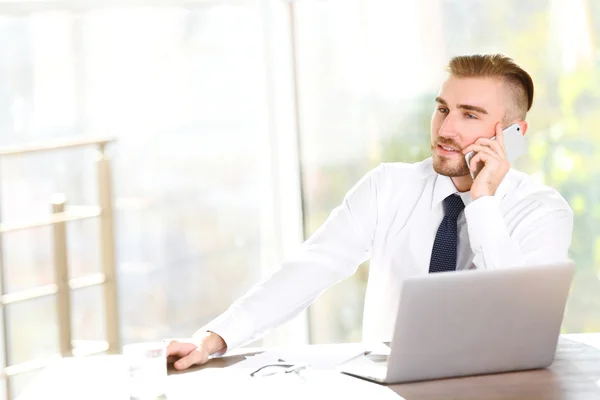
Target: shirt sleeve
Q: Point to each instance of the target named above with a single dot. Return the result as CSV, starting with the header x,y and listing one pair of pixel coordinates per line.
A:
x,y
533,235
333,253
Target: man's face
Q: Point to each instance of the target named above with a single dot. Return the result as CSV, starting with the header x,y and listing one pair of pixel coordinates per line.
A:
x,y
466,109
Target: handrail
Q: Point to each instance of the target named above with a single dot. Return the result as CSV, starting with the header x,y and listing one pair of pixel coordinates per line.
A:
x,y
17,150
51,289
63,286
73,213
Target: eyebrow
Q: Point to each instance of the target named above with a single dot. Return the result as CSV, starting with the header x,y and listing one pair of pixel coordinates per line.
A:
x,y
463,106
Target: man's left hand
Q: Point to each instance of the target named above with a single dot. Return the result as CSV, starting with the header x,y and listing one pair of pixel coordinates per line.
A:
x,y
493,155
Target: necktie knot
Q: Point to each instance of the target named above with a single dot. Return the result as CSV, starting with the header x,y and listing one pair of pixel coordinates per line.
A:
x,y
453,205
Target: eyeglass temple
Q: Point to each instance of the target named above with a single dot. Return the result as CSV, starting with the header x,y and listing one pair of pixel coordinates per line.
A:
x,y
288,368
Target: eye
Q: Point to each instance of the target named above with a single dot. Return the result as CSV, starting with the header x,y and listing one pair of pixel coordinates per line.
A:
x,y
443,110
470,116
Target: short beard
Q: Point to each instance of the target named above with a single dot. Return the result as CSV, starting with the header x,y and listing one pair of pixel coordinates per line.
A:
x,y
443,166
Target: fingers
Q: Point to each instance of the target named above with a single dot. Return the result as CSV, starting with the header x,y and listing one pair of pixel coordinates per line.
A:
x,y
489,158
478,148
185,354
479,157
493,144
176,350
172,359
197,356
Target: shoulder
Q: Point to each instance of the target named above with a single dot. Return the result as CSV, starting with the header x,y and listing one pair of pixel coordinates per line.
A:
x,y
526,189
405,171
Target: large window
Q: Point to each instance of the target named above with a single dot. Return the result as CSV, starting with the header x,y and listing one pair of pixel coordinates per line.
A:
x,y
201,102
183,90
368,75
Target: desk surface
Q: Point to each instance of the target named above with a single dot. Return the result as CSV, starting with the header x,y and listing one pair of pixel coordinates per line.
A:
x,y
574,375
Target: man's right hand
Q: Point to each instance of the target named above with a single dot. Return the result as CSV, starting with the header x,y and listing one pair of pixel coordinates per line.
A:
x,y
186,354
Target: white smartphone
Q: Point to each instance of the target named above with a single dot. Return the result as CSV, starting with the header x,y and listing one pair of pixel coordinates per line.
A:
x,y
514,143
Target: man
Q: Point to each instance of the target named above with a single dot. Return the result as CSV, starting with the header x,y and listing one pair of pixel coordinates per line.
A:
x,y
413,219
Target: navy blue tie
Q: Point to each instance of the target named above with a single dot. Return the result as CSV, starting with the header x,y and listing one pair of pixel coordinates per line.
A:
x,y
443,255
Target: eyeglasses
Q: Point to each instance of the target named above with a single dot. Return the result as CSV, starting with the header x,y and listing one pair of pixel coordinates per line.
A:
x,y
279,368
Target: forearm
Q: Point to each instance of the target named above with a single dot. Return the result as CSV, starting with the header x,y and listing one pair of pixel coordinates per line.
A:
x,y
536,236
273,302
328,256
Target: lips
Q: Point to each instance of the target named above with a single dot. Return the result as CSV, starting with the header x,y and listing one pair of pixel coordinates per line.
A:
x,y
446,150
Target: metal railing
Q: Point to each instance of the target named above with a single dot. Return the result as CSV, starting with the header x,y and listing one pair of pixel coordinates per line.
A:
x,y
63,285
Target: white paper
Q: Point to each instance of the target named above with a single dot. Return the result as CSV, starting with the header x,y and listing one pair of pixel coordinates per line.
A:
x,y
258,360
325,356
322,356
309,384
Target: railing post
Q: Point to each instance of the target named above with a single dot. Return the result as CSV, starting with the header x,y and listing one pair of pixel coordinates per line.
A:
x,y
61,270
62,288
107,252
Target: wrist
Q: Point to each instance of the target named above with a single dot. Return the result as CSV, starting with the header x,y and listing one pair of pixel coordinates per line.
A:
x,y
478,192
212,342
475,196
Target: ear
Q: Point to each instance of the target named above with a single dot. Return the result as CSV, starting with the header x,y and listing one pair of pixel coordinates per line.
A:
x,y
524,125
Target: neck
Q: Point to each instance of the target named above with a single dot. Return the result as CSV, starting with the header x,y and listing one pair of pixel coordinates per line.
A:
x,y
462,183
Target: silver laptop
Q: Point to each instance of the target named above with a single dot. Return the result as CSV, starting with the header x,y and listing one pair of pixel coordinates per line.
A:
x,y
473,322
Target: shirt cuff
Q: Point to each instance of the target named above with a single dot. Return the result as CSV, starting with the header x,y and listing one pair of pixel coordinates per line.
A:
x,y
483,218
233,326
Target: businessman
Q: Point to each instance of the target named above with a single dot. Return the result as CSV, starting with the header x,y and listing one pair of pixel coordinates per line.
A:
x,y
414,219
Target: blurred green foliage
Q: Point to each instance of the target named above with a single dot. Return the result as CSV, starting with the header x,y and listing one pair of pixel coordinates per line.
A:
x,y
563,136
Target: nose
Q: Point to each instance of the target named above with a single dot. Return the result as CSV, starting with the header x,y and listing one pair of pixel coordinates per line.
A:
x,y
448,128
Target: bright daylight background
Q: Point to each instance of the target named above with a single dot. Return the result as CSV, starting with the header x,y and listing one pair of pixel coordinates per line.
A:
x,y
200,95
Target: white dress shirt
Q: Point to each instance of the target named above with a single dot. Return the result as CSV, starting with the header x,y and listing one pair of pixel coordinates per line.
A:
x,y
391,216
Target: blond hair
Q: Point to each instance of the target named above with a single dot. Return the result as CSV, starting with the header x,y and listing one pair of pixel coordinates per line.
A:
x,y
518,81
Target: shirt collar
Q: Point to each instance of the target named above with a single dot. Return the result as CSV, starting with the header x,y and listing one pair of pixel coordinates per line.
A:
x,y
444,187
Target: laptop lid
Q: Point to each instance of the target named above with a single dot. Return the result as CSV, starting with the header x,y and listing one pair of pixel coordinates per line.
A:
x,y
478,321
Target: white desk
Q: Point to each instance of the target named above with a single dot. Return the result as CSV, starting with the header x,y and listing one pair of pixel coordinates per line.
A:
x,y
575,375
